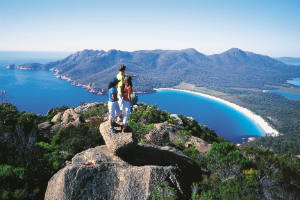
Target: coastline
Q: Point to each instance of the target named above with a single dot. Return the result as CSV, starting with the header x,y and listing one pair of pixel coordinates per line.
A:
x,y
258,120
89,87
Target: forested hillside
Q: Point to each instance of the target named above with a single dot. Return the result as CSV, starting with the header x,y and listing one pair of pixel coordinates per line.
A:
x,y
167,68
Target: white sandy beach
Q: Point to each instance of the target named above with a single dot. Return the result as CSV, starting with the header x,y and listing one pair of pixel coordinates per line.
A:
x,y
258,120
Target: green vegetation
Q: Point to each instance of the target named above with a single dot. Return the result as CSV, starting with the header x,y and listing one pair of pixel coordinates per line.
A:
x,y
51,113
25,171
283,114
10,117
162,191
142,119
99,111
229,172
149,114
245,173
14,179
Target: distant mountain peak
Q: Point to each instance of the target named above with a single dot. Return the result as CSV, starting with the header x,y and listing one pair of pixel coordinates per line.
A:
x,y
235,51
190,50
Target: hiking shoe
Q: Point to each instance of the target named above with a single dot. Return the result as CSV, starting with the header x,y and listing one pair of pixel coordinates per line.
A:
x,y
112,130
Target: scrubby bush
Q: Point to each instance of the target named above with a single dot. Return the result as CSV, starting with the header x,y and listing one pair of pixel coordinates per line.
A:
x,y
284,168
162,191
146,114
225,160
229,172
28,121
69,141
99,111
195,155
8,117
74,139
12,181
142,119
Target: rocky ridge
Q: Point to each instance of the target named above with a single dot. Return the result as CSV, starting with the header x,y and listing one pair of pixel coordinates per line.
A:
x,y
123,169
71,116
164,133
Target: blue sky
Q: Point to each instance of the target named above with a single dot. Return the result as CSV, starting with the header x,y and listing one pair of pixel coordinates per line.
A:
x,y
269,27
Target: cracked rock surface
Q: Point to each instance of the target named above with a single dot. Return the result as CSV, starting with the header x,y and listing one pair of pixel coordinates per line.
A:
x,y
100,173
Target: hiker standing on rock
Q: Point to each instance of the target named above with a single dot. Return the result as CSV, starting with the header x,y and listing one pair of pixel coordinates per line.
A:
x,y
113,106
126,91
121,77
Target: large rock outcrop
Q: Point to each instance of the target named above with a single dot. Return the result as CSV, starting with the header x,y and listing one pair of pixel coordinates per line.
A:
x,y
68,117
164,133
118,142
123,171
63,119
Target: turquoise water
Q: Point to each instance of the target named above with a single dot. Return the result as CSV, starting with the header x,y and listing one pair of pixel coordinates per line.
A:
x,y
294,81
39,91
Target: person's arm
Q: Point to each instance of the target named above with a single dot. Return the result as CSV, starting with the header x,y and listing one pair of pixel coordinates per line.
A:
x,y
133,75
114,97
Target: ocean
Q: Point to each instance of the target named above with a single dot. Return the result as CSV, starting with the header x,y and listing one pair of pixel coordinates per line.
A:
x,y
223,119
39,91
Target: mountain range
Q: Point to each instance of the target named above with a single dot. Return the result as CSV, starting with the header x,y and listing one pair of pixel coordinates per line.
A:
x,y
167,68
289,60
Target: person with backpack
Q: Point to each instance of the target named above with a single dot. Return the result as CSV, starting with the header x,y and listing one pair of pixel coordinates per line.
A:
x,y
127,92
113,106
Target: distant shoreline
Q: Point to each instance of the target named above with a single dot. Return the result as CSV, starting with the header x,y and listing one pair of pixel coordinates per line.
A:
x,y
258,120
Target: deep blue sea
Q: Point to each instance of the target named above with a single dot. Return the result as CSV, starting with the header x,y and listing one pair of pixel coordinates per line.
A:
x,y
224,120
39,91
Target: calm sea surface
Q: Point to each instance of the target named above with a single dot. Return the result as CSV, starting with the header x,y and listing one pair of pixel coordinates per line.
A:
x,y
286,95
294,81
38,91
226,121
